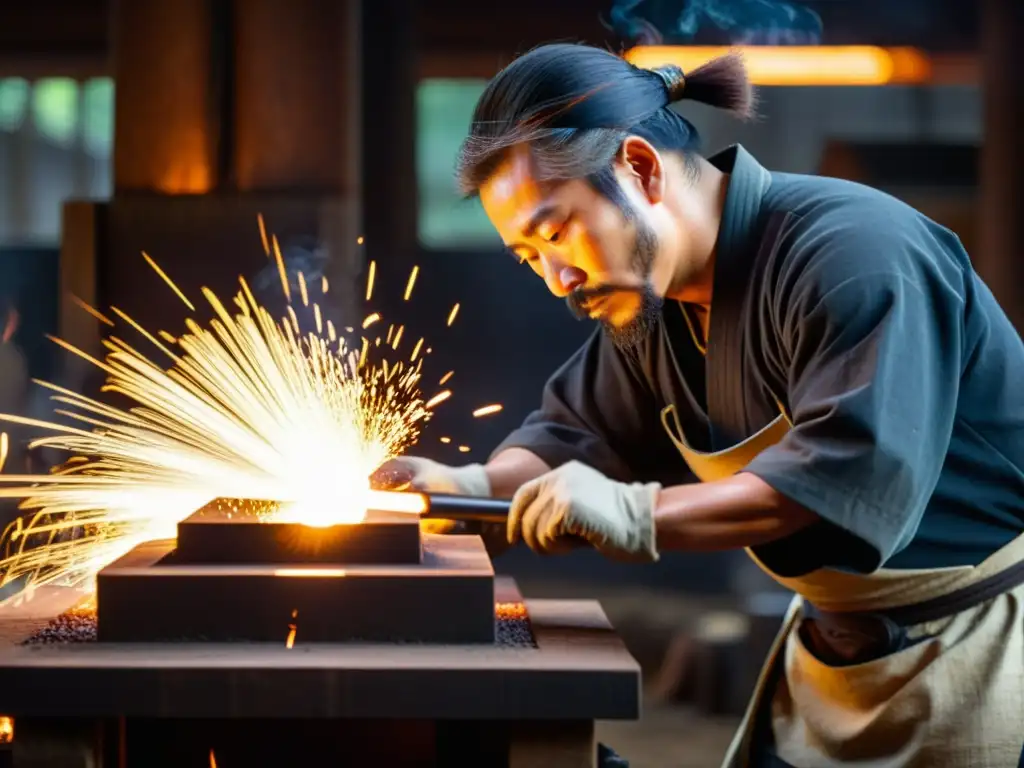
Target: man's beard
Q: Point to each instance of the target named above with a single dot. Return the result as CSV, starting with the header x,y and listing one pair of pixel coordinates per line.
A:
x,y
634,332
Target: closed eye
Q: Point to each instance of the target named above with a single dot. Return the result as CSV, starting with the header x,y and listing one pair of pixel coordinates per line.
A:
x,y
521,255
557,234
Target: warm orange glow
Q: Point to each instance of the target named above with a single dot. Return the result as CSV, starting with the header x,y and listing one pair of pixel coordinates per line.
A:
x,y
213,760
186,179
463,449
370,319
801,65
309,573
6,730
445,378
289,642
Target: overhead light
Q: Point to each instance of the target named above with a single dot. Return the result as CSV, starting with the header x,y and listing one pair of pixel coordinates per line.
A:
x,y
801,65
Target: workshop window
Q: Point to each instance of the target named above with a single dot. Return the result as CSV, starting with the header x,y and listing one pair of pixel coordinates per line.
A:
x,y
446,221
56,136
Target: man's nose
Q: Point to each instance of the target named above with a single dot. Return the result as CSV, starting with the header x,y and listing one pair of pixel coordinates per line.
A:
x,y
562,279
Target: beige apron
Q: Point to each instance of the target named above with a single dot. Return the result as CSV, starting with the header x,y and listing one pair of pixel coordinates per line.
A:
x,y
955,700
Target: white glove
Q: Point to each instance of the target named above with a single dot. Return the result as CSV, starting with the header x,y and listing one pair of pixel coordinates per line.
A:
x,y
432,477
576,501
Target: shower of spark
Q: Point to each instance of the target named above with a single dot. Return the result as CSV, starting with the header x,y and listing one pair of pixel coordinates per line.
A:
x,y
244,407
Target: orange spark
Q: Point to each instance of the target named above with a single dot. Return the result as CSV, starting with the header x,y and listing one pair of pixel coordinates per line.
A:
x,y
263,234
487,410
370,319
319,320
391,333
4,447
370,275
416,350
362,352
412,281
445,378
167,337
360,240
446,440
290,642
92,311
452,314
302,290
439,398
331,333
280,268
324,285
398,337
463,449
166,279
213,760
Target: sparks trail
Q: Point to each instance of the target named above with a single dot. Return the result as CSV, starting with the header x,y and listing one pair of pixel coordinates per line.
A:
x,y
487,410
243,407
247,408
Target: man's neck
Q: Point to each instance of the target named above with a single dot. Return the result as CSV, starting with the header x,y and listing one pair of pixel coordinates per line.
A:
x,y
702,217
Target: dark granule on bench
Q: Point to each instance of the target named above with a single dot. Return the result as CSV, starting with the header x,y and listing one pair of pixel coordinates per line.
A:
x,y
512,628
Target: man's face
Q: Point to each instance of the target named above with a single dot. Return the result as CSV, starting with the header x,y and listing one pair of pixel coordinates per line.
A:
x,y
588,250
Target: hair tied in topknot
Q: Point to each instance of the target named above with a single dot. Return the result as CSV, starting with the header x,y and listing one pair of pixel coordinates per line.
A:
x,y
674,79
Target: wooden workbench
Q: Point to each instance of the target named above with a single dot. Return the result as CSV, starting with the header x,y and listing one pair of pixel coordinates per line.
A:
x,y
537,704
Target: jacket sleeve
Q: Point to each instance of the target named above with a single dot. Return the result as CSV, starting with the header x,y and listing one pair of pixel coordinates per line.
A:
x,y
870,326
598,409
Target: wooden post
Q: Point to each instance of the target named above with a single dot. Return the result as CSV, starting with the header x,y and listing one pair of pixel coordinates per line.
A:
x,y
1000,258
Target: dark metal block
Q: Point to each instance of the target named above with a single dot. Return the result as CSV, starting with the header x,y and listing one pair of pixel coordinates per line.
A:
x,y
448,598
231,532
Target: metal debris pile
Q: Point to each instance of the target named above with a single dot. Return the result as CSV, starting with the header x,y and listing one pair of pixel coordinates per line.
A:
x,y
512,628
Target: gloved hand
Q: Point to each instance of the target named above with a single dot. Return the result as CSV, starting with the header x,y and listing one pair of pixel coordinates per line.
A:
x,y
576,501
431,476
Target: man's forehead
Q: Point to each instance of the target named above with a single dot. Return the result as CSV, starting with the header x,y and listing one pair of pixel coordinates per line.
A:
x,y
513,197
514,179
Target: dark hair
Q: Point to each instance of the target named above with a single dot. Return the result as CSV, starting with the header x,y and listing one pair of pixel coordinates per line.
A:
x,y
574,105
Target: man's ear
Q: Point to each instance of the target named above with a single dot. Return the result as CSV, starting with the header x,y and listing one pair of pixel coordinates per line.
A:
x,y
640,161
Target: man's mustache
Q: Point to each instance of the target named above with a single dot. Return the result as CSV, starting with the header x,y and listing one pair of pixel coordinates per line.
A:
x,y
577,300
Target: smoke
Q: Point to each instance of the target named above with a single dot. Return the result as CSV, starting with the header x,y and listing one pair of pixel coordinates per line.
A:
x,y
311,260
717,22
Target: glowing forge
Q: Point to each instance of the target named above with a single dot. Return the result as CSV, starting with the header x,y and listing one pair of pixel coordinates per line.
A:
x,y
346,507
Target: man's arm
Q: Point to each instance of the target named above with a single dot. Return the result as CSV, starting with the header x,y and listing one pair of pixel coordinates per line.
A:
x,y
871,337
511,468
597,409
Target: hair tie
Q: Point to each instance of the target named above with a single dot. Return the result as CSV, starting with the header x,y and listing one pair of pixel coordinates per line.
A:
x,y
674,79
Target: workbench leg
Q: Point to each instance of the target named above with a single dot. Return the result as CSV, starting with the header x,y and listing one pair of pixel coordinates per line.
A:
x,y
554,744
